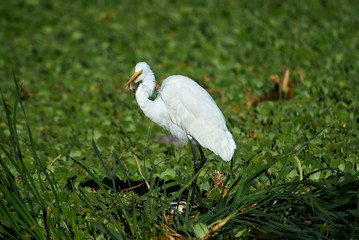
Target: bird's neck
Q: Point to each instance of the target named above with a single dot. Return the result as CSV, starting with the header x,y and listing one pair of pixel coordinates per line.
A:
x,y
144,91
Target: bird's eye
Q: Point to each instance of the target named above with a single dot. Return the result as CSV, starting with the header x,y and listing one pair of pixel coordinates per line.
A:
x,y
138,75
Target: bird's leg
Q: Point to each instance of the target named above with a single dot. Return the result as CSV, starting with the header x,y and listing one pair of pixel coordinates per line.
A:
x,y
195,160
203,158
196,169
193,185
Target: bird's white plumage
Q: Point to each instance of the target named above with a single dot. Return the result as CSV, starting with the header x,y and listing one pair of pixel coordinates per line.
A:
x,y
185,109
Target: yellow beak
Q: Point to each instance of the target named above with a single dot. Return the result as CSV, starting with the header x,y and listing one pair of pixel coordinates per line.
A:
x,y
134,77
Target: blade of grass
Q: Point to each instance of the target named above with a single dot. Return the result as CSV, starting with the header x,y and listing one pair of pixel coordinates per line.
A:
x,y
100,157
102,228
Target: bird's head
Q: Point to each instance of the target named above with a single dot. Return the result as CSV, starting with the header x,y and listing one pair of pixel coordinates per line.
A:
x,y
141,70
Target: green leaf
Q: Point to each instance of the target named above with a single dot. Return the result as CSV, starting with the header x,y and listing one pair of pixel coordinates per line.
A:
x,y
200,229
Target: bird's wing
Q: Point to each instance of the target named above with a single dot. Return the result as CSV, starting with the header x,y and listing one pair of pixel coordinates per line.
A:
x,y
192,109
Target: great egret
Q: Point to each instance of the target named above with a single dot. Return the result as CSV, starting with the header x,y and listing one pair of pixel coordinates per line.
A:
x,y
186,110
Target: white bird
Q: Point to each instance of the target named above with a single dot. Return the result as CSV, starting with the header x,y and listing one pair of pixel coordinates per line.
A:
x,y
186,110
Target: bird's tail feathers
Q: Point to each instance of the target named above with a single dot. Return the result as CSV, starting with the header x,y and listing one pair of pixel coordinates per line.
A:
x,y
227,148
223,146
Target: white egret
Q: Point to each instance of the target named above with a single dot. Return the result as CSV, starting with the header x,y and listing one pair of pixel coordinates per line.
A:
x,y
186,110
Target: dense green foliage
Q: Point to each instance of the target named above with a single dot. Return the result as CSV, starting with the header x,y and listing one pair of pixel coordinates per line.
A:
x,y
71,60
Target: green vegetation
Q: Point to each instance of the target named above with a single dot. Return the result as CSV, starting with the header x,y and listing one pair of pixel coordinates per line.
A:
x,y
72,138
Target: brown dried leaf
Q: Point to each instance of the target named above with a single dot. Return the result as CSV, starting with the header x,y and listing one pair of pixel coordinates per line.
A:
x,y
172,234
217,179
299,71
275,78
251,206
206,78
290,91
215,228
252,101
24,93
131,188
221,93
254,134
138,166
285,79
